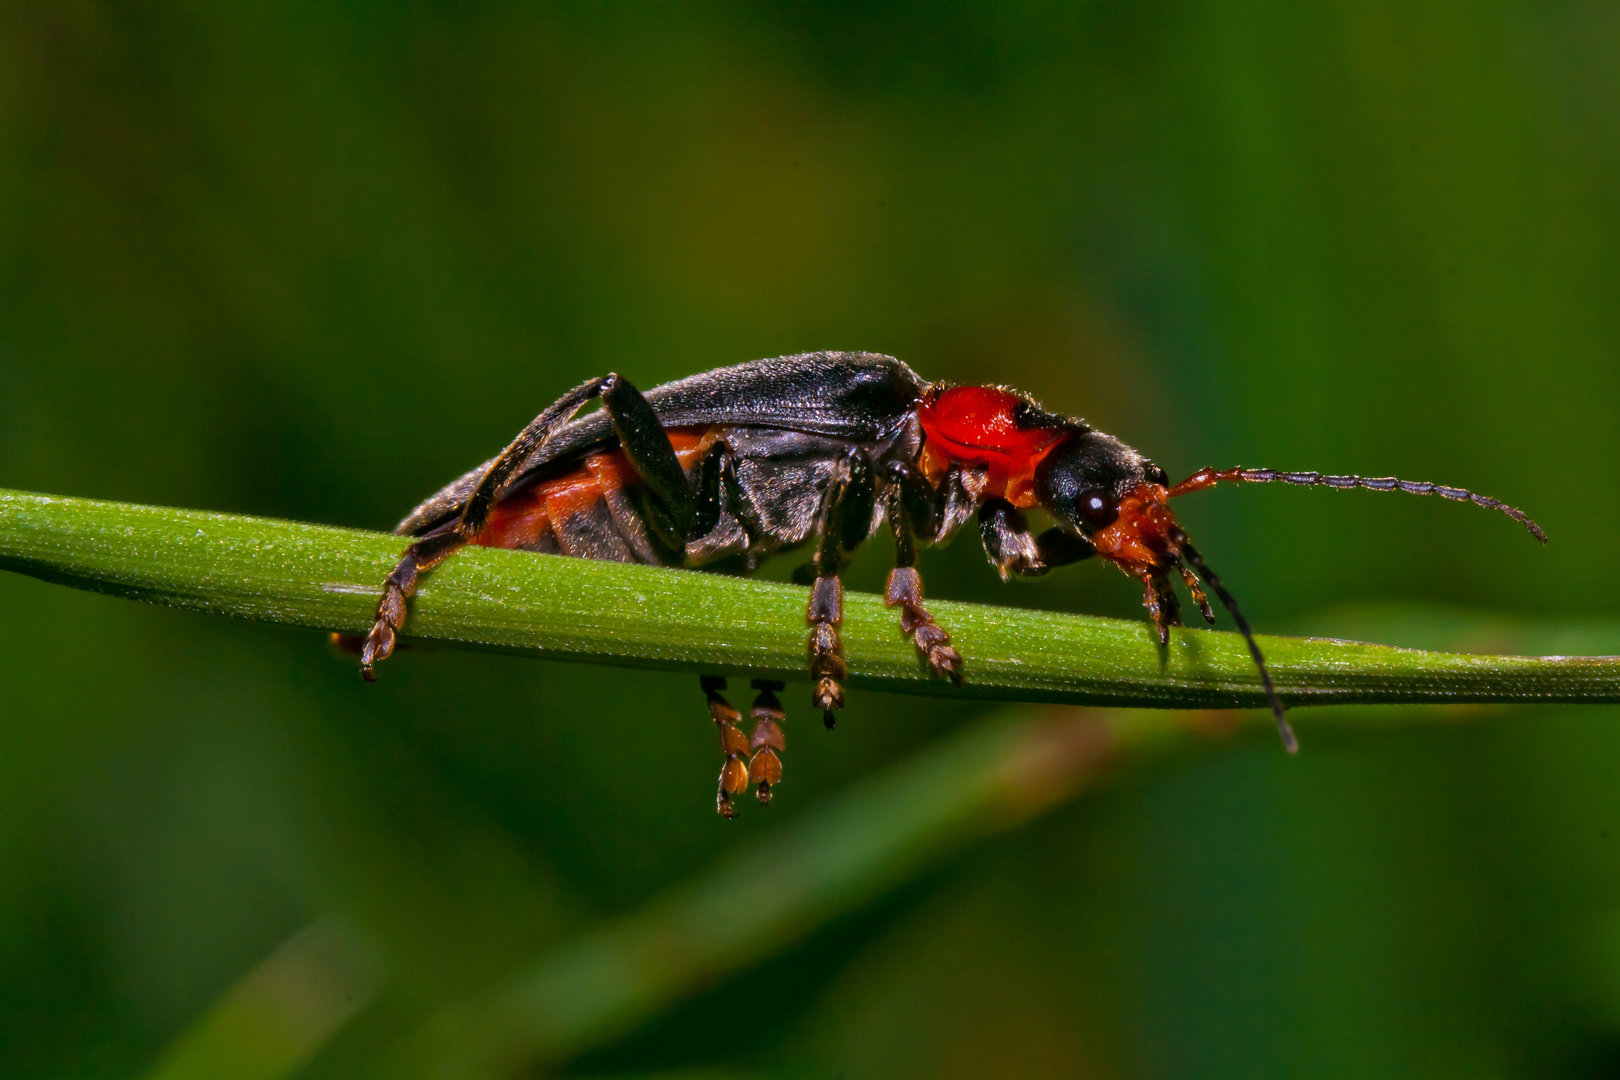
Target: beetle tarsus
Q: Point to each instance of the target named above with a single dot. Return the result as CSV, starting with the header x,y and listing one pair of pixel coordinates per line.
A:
x,y
733,746
904,590
765,768
1162,605
1190,579
399,587
825,647
842,523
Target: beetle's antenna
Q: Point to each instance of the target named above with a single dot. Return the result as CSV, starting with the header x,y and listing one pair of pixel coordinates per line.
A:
x,y
1190,553
1207,477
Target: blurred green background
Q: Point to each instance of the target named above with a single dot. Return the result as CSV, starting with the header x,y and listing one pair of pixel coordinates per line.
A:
x,y
312,260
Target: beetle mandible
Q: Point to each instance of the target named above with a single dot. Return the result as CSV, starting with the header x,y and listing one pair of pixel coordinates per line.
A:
x,y
823,449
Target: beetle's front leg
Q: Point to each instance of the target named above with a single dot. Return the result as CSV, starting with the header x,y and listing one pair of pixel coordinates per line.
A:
x,y
914,508
842,523
1013,549
1163,607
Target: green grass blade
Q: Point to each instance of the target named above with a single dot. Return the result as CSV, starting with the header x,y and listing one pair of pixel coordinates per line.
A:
x,y
325,578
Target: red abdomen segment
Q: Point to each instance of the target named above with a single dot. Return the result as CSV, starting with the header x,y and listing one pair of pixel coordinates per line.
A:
x,y
977,426
539,518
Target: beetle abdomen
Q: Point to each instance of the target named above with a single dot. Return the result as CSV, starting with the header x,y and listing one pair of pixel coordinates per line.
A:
x,y
589,512
593,511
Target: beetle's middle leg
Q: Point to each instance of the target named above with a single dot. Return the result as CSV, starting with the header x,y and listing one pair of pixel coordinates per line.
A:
x,y
842,523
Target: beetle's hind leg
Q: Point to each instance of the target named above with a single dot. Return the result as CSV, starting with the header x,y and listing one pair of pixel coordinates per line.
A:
x,y
431,550
398,588
738,769
765,768
733,747
641,437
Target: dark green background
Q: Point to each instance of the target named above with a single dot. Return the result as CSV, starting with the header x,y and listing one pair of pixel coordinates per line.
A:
x,y
312,260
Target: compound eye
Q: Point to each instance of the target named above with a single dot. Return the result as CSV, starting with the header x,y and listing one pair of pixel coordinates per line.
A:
x,y
1097,508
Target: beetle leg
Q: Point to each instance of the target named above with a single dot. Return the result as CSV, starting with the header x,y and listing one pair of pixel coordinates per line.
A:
x,y
429,551
716,477
1163,607
671,502
765,768
904,589
959,493
844,520
1150,600
911,495
645,445
936,511
1008,543
825,647
1013,549
1197,590
400,585
716,532
1058,548
733,747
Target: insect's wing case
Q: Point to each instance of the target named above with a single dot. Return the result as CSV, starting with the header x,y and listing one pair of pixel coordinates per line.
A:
x,y
861,397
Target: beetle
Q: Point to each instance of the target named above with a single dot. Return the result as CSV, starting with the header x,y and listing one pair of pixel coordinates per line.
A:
x,y
823,449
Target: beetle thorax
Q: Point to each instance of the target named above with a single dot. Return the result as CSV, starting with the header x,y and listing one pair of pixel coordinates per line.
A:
x,y
978,427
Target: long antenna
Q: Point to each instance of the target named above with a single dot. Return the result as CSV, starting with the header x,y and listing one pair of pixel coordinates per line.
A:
x,y
1371,483
1190,553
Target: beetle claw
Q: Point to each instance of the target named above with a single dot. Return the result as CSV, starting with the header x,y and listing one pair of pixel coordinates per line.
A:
x,y
825,647
765,768
904,590
748,759
733,745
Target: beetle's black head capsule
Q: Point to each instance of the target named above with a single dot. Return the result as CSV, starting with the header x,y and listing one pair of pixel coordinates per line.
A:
x,y
1097,487
1082,481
